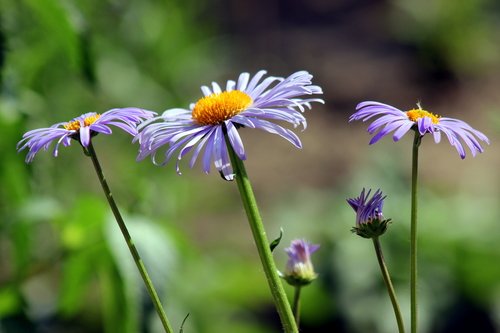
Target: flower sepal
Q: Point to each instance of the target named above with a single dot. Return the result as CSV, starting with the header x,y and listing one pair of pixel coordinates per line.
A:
x,y
299,280
373,228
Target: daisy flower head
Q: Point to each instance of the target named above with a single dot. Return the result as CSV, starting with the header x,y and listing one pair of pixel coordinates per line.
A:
x,y
391,119
299,268
370,221
81,129
251,102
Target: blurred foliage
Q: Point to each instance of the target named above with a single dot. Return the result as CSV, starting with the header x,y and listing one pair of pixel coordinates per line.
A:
x,y
456,36
65,268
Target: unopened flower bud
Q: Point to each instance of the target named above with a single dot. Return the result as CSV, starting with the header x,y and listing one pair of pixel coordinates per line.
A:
x,y
299,268
370,222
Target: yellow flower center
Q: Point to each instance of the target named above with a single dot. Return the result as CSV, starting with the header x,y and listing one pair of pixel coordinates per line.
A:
x,y
75,125
216,108
416,114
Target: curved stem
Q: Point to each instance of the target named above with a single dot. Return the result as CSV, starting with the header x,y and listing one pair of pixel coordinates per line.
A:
x,y
262,243
413,233
388,284
296,305
128,239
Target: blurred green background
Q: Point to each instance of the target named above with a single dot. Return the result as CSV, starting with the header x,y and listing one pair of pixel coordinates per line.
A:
x,y
64,266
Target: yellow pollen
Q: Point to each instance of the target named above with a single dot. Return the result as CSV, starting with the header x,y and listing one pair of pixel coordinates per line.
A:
x,y
75,125
216,108
416,114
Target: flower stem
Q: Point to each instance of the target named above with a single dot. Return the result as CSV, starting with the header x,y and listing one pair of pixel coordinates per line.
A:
x,y
296,305
128,239
262,243
388,284
413,233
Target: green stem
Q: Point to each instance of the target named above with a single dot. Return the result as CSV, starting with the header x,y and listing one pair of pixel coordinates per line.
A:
x,y
388,284
413,233
296,305
128,239
262,243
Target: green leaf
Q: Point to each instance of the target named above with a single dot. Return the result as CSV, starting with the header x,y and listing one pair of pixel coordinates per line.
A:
x,y
118,316
78,273
157,253
276,242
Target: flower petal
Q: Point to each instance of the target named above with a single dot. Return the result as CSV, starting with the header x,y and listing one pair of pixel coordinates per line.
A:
x,y
235,140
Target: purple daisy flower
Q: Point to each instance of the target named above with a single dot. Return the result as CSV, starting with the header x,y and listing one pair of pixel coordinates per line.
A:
x,y
247,102
370,221
82,128
392,119
299,268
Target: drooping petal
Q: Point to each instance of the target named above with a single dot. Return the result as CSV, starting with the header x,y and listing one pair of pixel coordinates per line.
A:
x,y
207,156
235,140
199,147
85,136
387,129
227,169
277,129
384,120
217,151
401,131
106,130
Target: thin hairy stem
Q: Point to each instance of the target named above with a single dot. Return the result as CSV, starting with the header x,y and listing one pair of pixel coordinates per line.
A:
x,y
130,243
296,305
413,233
388,284
262,243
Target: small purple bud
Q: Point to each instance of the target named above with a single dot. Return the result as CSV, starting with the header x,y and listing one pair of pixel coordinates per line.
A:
x,y
370,221
299,268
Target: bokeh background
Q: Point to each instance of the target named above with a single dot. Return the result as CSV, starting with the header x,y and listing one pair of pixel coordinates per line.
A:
x,y
63,264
